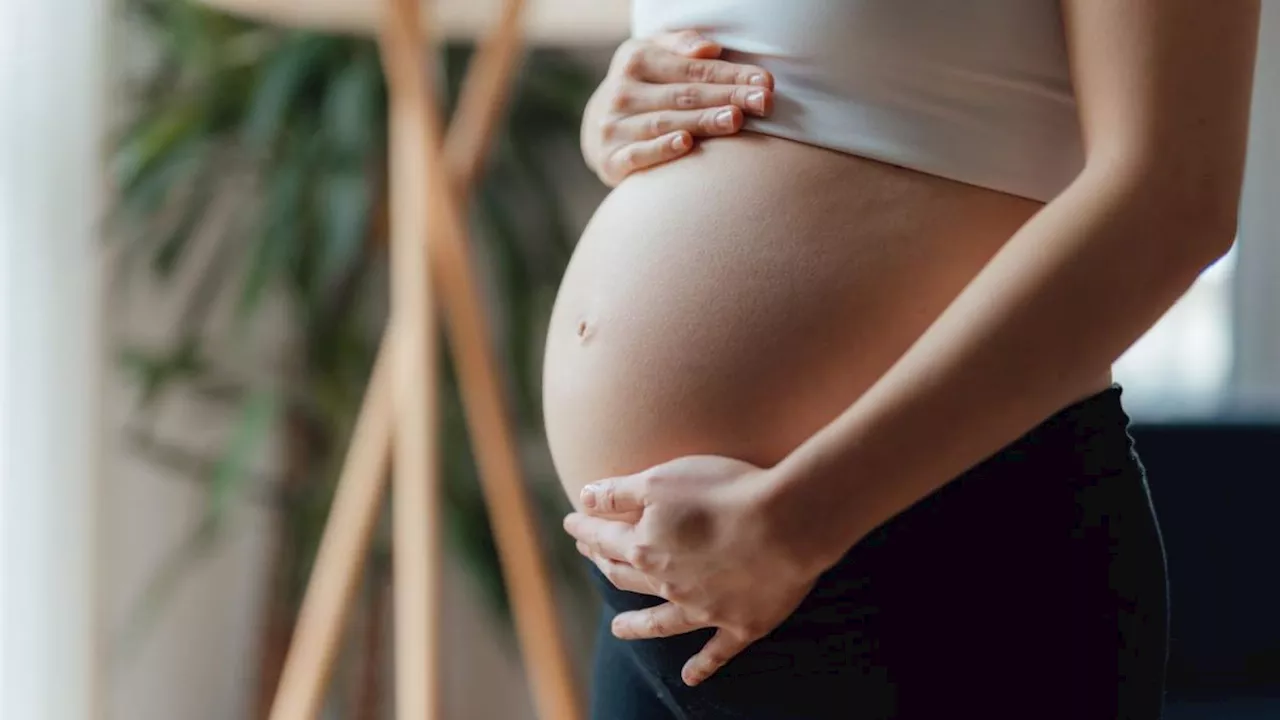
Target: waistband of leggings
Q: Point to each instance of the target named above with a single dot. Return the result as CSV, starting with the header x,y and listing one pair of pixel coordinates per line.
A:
x,y
1097,423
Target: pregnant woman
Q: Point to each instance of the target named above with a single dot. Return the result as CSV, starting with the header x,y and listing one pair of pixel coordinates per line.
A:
x,y
831,393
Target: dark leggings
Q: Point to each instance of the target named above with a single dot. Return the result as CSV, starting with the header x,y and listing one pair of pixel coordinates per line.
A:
x,y
1032,586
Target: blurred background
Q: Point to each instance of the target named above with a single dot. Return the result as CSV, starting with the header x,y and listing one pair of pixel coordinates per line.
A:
x,y
193,283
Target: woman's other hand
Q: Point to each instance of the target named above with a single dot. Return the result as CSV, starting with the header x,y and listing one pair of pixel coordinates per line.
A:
x,y
706,534
660,93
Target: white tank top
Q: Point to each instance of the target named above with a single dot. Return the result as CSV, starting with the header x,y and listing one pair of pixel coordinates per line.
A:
x,y
973,90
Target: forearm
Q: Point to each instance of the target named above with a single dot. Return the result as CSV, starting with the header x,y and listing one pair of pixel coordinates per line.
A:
x,y
1075,287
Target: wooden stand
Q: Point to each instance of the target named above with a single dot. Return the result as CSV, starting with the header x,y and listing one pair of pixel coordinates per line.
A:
x,y
429,178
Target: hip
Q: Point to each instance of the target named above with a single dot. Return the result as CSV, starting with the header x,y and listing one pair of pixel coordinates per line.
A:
x,y
1033,584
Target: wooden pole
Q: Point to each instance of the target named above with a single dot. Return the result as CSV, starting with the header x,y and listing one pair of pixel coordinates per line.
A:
x,y
347,533
416,532
488,421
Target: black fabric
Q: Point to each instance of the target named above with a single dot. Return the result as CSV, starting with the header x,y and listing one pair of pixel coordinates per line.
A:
x,y
1033,586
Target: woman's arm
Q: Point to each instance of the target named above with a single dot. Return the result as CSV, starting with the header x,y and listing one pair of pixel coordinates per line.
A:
x,y
1163,88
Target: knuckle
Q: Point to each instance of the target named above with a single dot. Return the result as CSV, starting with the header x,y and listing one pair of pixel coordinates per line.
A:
x,y
661,124
609,173
685,97
609,131
609,500
633,63
617,163
652,482
631,159
699,71
640,556
625,52
654,625
622,99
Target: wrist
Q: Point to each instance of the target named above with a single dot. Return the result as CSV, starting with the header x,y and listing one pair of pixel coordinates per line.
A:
x,y
811,507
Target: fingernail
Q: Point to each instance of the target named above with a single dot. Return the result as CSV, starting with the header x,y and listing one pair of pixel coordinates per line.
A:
x,y
724,119
589,492
690,676
755,100
582,548
760,80
679,142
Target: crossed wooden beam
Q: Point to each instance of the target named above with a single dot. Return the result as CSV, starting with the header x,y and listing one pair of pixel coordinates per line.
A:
x,y
430,176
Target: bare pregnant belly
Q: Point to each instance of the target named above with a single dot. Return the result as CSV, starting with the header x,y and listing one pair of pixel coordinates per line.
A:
x,y
736,300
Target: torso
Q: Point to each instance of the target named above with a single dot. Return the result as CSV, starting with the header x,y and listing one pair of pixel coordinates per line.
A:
x,y
736,300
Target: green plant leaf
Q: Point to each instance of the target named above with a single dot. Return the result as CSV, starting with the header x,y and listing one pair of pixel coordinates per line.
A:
x,y
353,114
152,156
154,371
345,200
168,254
282,82
278,236
232,468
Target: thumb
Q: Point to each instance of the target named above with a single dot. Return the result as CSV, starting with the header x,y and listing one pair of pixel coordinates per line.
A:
x,y
690,43
615,496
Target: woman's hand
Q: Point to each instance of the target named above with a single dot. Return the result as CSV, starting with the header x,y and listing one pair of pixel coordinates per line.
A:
x,y
708,538
659,94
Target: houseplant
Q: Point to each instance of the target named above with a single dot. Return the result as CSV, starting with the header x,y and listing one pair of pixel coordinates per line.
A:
x,y
266,148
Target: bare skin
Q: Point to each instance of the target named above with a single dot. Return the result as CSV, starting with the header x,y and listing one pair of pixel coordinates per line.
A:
x,y
1026,313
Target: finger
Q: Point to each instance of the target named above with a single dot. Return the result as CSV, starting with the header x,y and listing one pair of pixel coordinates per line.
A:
x,y
690,43
719,650
657,64
622,494
643,154
621,575
665,620
609,538
636,98
712,122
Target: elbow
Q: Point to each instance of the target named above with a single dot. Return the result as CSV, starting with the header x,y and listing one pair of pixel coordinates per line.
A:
x,y
1208,230
1199,219
1195,207
1219,241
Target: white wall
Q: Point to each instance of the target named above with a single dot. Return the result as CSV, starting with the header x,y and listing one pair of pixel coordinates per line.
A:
x,y
1257,290
51,84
